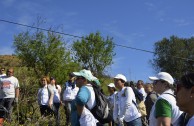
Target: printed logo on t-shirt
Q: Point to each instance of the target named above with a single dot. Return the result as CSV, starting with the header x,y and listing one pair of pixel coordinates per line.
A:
x,y
6,85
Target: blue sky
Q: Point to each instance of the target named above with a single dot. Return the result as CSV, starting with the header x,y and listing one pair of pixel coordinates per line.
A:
x,y
134,23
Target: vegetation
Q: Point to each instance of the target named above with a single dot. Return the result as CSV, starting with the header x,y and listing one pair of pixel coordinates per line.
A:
x,y
174,55
94,52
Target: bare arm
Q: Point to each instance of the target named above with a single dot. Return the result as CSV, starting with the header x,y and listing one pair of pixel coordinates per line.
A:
x,y
79,109
17,92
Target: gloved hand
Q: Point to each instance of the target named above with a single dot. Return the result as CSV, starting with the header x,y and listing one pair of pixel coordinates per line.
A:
x,y
120,120
16,100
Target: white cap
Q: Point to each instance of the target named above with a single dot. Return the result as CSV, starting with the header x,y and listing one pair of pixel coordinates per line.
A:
x,y
121,76
85,73
163,76
111,85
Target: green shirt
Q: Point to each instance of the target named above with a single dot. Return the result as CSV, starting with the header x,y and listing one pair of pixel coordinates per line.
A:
x,y
163,109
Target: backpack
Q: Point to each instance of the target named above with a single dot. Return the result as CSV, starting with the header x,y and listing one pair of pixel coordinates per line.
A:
x,y
138,95
101,111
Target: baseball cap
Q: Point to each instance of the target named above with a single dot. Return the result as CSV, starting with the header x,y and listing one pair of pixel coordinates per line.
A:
x,y
163,76
120,76
111,85
87,74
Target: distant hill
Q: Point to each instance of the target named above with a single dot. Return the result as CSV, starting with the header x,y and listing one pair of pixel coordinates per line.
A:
x,y
9,61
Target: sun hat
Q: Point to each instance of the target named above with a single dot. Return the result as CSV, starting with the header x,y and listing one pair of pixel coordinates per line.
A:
x,y
96,80
87,74
111,85
121,76
163,76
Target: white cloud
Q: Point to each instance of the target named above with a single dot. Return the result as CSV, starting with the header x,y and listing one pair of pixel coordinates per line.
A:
x,y
150,6
181,22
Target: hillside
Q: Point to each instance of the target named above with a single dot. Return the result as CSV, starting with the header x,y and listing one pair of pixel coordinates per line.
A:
x,y
9,61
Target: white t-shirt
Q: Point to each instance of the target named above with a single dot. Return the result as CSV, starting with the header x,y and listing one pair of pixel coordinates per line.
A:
x,y
70,93
56,98
87,119
2,75
141,90
124,107
8,86
43,95
191,121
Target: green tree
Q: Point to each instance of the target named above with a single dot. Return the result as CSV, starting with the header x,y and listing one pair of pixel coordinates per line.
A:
x,y
45,53
174,55
94,52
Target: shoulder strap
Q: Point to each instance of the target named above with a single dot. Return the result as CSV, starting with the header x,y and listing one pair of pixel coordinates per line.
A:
x,y
170,94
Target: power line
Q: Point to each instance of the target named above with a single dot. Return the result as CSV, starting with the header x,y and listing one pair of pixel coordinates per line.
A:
x,y
75,36
11,22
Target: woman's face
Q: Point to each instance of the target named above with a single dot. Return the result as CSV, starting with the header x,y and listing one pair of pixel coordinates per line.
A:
x,y
183,97
148,88
43,81
53,81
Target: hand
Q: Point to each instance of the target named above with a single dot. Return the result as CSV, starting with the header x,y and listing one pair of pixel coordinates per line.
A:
x,y
120,120
50,104
16,100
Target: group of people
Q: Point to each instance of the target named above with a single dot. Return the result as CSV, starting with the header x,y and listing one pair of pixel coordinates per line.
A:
x,y
165,104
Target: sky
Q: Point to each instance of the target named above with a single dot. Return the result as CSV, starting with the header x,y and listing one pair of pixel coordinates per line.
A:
x,y
133,23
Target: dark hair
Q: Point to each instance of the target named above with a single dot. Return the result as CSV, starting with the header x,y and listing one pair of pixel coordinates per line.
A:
x,y
71,75
140,81
188,80
127,84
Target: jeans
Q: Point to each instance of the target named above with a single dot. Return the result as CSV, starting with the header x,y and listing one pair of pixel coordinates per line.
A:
x,y
67,108
135,122
8,104
57,113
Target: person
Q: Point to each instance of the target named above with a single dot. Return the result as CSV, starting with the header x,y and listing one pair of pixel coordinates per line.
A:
x,y
125,110
150,98
2,72
164,111
69,92
45,97
112,91
80,114
140,87
56,99
185,98
9,92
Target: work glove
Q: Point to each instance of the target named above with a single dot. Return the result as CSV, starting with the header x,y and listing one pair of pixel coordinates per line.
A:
x,y
120,121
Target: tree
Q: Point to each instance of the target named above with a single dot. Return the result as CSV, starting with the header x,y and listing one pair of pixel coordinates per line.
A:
x,y
44,53
174,55
94,52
